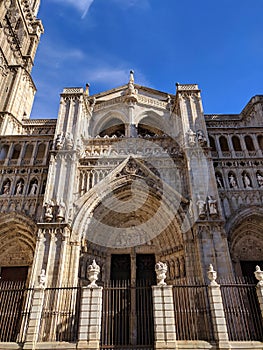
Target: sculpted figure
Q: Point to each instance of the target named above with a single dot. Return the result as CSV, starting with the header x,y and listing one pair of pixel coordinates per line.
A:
x,y
191,137
61,211
246,180
6,189
161,269
42,279
212,205
19,187
49,211
201,137
33,189
260,179
201,206
232,181
219,181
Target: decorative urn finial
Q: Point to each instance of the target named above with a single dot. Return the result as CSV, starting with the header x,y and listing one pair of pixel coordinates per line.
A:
x,y
259,276
161,269
212,275
93,271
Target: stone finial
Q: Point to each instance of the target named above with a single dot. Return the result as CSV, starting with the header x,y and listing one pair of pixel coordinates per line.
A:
x,y
161,269
259,276
131,76
87,89
42,279
92,272
212,275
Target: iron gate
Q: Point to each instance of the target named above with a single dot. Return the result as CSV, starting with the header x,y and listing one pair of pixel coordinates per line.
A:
x,y
127,316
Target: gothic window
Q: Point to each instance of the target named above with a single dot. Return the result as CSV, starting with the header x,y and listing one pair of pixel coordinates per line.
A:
x,y
16,151
249,143
4,152
29,151
113,127
212,143
223,144
236,143
260,142
41,151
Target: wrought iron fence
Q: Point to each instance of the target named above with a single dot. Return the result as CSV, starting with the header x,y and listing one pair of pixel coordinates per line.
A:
x,y
15,306
127,316
242,310
193,319
60,314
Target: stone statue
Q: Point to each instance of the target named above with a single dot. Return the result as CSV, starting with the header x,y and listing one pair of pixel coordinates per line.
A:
x,y
92,272
232,181
201,205
49,211
246,180
59,141
33,189
260,180
212,275
219,181
212,206
259,275
201,137
19,187
191,138
61,211
42,279
6,189
161,269
69,143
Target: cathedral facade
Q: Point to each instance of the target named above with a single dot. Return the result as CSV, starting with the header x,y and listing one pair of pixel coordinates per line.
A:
x,y
127,177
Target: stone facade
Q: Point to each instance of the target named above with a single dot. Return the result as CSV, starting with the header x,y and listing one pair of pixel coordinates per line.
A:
x,y
129,171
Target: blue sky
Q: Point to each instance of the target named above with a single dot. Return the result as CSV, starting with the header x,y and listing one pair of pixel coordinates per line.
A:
x,y
216,44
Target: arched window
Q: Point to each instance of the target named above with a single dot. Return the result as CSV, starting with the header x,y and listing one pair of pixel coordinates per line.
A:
x,y
4,152
28,151
114,127
223,144
260,142
41,151
212,143
236,143
16,151
249,143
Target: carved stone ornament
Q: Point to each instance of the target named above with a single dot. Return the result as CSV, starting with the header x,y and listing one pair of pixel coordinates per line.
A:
x,y
49,211
161,269
212,275
59,141
42,279
93,272
259,276
191,138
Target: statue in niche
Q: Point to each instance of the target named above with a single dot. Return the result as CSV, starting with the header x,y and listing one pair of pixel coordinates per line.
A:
x,y
191,137
6,188
49,211
33,189
61,211
69,141
201,205
219,181
260,179
19,188
232,181
246,180
161,270
212,206
201,138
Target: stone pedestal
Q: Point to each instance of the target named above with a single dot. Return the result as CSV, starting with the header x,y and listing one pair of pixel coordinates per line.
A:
x,y
164,318
90,318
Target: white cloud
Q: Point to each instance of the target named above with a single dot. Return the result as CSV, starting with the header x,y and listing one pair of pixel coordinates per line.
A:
x,y
143,4
81,5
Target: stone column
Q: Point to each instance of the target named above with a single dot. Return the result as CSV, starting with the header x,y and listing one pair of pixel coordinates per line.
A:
x,y
34,319
90,318
259,276
217,311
